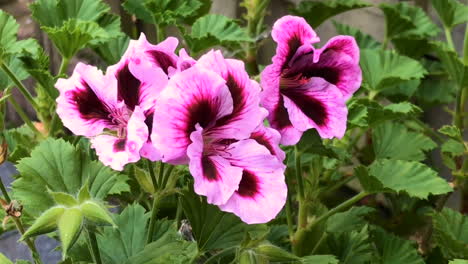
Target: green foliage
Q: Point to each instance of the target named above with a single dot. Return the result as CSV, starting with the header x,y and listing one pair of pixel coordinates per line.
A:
x,y
453,64
320,259
212,30
394,141
60,167
385,69
451,12
393,249
363,40
316,12
350,220
4,259
451,233
351,247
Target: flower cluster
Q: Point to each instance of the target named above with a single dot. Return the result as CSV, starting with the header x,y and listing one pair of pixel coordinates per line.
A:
x,y
209,114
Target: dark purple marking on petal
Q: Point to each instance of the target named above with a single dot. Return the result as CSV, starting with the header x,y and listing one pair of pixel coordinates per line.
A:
x,y
202,112
248,186
262,139
128,87
119,145
293,44
238,99
149,123
303,68
209,169
162,59
89,105
311,107
280,115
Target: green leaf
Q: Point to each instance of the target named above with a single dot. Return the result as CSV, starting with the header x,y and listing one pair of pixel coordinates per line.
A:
x,y
458,261
384,69
64,199
451,233
137,8
4,259
96,213
350,220
369,183
393,249
170,248
128,239
113,49
451,12
404,89
45,223
451,131
437,91
414,178
144,179
363,40
312,143
57,165
317,12
454,147
8,31
394,141
63,10
320,259
17,67
212,228
453,64
404,20
69,225
74,35
20,140
352,247
212,30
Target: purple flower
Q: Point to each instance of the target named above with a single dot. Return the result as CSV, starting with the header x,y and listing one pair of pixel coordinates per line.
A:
x,y
209,117
306,87
116,110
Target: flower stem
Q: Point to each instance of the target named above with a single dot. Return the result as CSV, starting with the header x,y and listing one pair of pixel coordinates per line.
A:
x,y
20,85
157,197
63,66
167,175
23,116
448,36
149,163
465,47
300,180
4,191
289,214
93,246
161,175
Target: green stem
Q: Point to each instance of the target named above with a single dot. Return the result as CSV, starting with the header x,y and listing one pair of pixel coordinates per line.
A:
x,y
429,130
220,254
179,211
93,247
23,115
161,175
465,47
167,175
319,243
20,85
63,66
299,178
154,212
28,241
160,34
339,208
4,191
448,36
339,184
289,214
149,163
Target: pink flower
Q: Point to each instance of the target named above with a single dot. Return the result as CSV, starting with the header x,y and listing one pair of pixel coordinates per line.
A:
x,y
116,110
306,87
209,117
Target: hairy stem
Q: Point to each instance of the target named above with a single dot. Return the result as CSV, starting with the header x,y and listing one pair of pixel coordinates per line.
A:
x,y
149,163
4,191
448,36
161,175
63,66
20,85
93,247
23,116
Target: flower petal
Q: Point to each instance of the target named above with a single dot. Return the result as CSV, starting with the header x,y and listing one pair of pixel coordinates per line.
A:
x,y
86,101
269,138
185,61
337,62
247,113
214,176
291,32
148,150
161,55
194,96
262,190
317,104
115,151
273,101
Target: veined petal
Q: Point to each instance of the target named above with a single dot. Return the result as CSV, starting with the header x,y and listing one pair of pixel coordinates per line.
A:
x,y
273,101
262,190
115,151
194,96
214,176
317,104
269,138
148,150
247,113
291,32
337,62
86,101
185,61
161,55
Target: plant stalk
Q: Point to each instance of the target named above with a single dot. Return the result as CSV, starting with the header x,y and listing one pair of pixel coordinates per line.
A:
x,y
63,66
28,241
20,85
448,36
149,163
4,191
24,116
93,247
299,178
161,175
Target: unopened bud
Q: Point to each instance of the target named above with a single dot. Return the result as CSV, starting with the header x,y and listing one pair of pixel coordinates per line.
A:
x,y
69,226
45,223
96,213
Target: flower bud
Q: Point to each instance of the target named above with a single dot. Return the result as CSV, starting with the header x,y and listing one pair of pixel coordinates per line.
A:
x,y
45,223
275,254
96,213
144,180
65,199
69,226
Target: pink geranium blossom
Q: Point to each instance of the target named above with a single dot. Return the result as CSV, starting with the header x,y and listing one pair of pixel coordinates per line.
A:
x,y
306,87
209,117
116,110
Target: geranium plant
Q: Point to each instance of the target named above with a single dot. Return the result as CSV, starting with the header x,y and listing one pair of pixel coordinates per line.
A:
x,y
186,150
